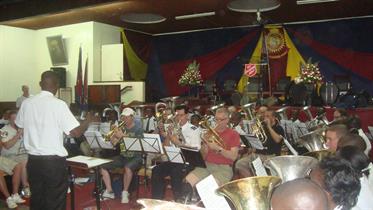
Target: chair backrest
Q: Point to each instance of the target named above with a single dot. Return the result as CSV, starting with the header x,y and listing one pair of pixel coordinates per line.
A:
x,y
229,85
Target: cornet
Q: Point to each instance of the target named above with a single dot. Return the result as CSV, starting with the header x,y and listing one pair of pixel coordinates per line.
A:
x,y
111,133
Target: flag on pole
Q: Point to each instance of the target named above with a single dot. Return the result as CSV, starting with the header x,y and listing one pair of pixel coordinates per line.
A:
x,y
85,86
250,69
79,81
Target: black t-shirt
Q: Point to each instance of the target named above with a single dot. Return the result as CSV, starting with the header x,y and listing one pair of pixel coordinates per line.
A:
x,y
271,146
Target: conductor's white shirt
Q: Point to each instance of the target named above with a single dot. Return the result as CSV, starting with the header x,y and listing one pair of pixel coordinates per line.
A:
x,y
44,118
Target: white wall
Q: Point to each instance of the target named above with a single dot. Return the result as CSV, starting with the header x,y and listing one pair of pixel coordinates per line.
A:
x,y
17,62
24,54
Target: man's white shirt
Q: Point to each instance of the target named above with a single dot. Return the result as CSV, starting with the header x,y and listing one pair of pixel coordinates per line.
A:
x,y
44,119
192,135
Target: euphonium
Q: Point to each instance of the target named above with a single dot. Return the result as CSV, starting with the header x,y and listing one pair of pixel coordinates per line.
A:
x,y
110,134
214,136
290,167
313,141
158,111
253,193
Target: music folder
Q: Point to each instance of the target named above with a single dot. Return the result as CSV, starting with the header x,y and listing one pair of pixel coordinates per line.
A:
x,y
192,157
252,141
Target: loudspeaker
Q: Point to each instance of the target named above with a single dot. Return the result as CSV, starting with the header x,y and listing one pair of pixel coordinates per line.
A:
x,y
61,72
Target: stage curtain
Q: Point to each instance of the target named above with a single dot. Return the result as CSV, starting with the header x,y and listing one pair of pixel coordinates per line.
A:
x,y
136,66
210,63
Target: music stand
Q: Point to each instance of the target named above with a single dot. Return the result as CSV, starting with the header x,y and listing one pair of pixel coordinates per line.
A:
x,y
149,143
85,162
252,141
192,157
96,140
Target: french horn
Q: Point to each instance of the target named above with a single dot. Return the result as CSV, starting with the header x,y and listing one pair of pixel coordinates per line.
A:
x,y
252,193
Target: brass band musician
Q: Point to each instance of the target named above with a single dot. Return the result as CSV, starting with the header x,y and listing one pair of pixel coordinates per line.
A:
x,y
219,160
188,135
274,133
130,161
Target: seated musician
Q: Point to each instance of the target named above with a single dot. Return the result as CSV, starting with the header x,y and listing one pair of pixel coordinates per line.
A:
x,y
130,161
149,123
340,114
333,135
189,136
13,148
272,145
10,167
236,123
219,158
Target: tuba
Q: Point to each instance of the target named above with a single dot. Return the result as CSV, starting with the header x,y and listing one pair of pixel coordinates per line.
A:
x,y
214,136
290,167
253,193
249,109
313,141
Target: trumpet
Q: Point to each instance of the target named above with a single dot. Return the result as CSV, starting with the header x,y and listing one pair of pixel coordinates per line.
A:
x,y
111,133
214,136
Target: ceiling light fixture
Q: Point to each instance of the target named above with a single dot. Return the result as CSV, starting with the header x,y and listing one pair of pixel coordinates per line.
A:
x,y
197,15
142,18
300,2
252,6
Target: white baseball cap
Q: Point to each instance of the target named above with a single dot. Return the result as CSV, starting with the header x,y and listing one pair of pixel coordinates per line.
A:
x,y
128,112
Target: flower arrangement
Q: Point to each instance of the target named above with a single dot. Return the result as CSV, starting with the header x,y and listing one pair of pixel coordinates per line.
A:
x,y
191,75
310,73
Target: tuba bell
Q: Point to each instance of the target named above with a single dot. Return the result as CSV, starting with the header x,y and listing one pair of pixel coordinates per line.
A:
x,y
248,109
253,193
319,155
282,113
313,141
290,167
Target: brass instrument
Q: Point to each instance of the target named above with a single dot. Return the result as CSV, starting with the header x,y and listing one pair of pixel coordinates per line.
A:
x,y
282,113
171,101
257,129
319,155
249,110
214,136
313,141
290,167
253,193
139,109
152,204
110,134
315,122
158,111
215,107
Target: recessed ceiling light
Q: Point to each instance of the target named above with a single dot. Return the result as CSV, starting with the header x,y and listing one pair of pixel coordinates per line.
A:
x,y
253,5
142,18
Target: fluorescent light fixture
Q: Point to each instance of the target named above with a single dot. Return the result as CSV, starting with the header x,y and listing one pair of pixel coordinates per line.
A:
x,y
300,2
252,6
197,15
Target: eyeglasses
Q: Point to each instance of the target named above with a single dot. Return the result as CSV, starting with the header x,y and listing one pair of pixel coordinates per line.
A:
x,y
219,120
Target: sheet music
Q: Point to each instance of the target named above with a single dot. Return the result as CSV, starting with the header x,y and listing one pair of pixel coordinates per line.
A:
x,y
90,162
206,189
258,167
96,141
152,143
104,127
94,126
132,144
254,142
174,154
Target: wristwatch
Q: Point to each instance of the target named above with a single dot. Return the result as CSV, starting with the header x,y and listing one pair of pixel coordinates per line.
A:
x,y
220,150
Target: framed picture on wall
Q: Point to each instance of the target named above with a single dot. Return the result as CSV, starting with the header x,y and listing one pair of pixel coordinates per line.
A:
x,y
57,50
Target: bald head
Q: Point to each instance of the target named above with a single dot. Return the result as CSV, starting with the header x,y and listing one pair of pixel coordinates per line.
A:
x,y
49,82
299,194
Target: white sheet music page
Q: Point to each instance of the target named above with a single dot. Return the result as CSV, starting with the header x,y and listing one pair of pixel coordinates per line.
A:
x,y
254,142
89,161
96,141
132,144
206,189
152,143
259,168
174,154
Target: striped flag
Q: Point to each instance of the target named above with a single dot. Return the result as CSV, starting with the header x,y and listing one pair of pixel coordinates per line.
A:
x,y
85,86
79,81
250,69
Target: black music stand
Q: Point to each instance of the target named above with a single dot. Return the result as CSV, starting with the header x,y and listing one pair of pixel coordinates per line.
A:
x,y
85,162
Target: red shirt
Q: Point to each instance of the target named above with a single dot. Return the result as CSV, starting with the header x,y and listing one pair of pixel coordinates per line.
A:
x,y
231,139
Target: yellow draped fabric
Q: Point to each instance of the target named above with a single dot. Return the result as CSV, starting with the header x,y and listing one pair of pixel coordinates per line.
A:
x,y
137,67
255,58
293,62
